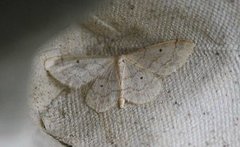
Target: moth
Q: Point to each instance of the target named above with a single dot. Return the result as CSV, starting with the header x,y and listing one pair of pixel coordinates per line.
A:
x,y
134,77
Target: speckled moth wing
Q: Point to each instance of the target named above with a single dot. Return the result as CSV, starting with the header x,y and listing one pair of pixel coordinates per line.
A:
x,y
135,77
75,72
138,84
163,58
104,91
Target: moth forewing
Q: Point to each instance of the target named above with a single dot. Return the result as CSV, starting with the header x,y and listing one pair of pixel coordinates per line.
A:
x,y
76,72
163,58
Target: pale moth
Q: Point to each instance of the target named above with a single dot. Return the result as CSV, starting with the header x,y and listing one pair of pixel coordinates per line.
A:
x,y
134,77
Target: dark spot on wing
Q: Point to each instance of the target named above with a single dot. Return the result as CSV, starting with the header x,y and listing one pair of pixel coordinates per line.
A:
x,y
175,103
131,6
71,135
160,50
77,61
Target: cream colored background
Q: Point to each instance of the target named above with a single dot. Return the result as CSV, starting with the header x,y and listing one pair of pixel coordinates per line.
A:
x,y
200,105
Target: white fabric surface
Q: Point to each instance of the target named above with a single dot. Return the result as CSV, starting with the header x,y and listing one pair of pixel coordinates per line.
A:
x,y
201,102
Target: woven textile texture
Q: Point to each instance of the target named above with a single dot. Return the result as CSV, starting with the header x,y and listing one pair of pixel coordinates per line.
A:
x,y
200,105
